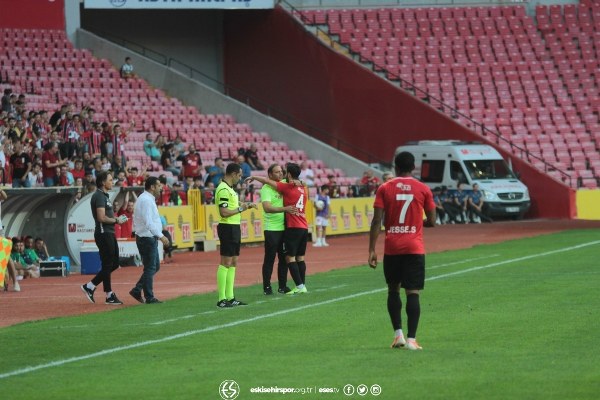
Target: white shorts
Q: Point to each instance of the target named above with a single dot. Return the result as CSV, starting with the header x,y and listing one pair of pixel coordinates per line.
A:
x,y
322,221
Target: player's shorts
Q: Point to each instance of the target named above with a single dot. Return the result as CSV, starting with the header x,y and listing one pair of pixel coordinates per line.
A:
x,y
294,240
322,221
230,236
406,269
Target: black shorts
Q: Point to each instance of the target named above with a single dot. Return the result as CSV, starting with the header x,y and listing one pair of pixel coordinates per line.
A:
x,y
230,236
406,269
294,241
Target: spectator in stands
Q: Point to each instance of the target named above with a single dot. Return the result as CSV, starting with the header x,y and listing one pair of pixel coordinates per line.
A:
x,y
127,210
78,171
215,172
177,196
167,160
476,206
21,165
252,158
209,193
307,175
65,177
23,269
134,178
6,106
50,163
150,148
334,189
94,140
246,169
35,177
178,145
107,146
192,163
41,249
127,69
117,165
387,176
369,183
13,133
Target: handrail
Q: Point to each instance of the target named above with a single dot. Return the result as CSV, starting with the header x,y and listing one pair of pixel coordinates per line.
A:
x,y
239,95
427,97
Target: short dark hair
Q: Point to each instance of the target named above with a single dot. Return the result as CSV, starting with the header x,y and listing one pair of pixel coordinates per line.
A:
x,y
101,178
272,167
324,187
233,168
151,181
293,169
404,162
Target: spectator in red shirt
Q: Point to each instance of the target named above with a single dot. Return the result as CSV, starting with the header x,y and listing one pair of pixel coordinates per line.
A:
x,y
50,163
78,171
192,163
369,183
127,210
134,178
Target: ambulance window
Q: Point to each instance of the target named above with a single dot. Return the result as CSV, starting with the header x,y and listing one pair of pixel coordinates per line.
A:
x,y
432,170
457,173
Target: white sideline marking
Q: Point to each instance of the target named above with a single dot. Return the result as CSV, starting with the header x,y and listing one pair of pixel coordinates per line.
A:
x,y
59,363
461,262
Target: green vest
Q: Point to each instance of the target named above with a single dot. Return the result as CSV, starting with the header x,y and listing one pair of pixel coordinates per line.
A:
x,y
272,221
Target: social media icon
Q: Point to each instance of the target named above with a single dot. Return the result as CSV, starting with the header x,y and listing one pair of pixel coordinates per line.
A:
x,y
362,390
348,390
375,390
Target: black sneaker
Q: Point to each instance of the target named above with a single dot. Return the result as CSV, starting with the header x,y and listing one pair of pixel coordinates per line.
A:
x,y
235,302
268,291
284,290
89,293
153,300
136,295
113,300
224,304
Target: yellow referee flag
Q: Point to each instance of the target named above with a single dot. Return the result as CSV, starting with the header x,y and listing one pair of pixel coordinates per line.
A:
x,y
5,248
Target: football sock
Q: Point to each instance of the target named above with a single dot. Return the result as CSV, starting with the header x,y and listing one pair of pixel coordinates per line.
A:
x,y
413,312
293,267
90,286
302,270
221,281
398,332
108,294
394,305
300,286
230,281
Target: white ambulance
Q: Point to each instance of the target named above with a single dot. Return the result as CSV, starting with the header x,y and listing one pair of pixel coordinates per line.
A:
x,y
448,162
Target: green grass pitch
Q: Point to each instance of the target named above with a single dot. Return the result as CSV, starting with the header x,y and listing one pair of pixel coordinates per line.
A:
x,y
516,320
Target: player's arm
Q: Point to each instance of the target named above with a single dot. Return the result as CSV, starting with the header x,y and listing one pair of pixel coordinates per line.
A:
x,y
270,208
373,235
263,180
431,217
101,216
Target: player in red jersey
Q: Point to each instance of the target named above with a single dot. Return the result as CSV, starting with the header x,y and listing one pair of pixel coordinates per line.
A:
x,y
402,200
296,228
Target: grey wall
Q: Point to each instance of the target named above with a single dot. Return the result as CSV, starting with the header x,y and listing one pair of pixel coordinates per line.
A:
x,y
193,37
211,101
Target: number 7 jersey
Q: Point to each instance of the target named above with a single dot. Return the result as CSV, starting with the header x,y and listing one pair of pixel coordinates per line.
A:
x,y
294,196
403,201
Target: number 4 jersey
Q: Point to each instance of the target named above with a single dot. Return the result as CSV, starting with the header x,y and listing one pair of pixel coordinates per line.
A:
x,y
294,196
403,201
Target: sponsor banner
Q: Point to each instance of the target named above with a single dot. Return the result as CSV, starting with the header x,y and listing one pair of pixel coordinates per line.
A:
x,y
178,4
179,224
350,215
587,204
251,224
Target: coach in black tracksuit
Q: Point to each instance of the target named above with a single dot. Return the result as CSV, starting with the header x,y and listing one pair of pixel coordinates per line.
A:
x,y
104,235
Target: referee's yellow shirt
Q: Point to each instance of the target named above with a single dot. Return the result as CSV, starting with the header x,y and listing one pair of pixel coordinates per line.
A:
x,y
226,197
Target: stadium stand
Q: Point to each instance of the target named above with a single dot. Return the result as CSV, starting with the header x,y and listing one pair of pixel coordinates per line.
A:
x,y
45,65
533,83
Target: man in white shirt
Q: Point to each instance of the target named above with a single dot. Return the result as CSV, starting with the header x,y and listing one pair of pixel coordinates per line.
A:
x,y
148,231
307,175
